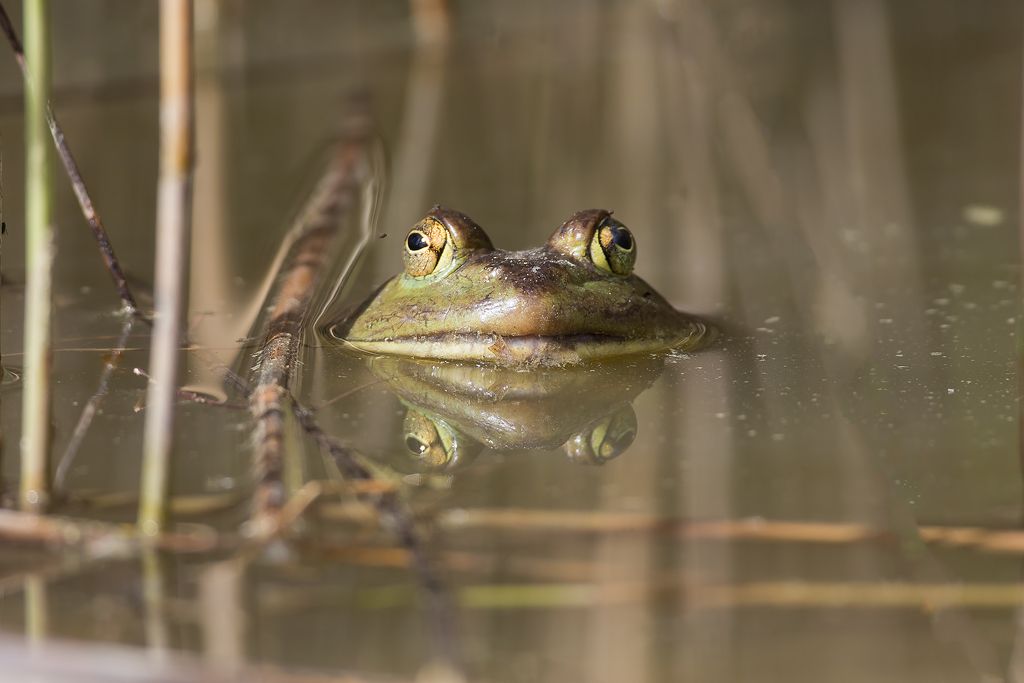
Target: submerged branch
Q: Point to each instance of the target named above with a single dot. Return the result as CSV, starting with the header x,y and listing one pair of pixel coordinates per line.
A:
x,y
312,238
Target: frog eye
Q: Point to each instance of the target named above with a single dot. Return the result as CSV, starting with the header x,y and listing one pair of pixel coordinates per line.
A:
x,y
441,242
593,236
427,248
423,441
604,440
613,248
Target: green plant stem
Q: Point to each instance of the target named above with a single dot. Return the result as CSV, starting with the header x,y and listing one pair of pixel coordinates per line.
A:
x,y
35,439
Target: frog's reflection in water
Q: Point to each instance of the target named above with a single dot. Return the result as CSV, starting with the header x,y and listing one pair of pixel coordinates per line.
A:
x,y
454,411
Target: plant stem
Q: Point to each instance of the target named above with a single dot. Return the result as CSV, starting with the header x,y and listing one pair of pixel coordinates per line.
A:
x,y
36,610
173,218
39,260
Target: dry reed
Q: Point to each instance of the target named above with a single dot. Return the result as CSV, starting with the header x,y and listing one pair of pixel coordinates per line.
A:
x,y
173,218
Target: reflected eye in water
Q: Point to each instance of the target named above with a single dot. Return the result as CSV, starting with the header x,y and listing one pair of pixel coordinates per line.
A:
x,y
603,440
415,445
434,443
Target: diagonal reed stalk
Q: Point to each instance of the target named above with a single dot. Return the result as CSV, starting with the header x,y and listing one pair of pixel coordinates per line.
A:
x,y
173,217
35,430
92,217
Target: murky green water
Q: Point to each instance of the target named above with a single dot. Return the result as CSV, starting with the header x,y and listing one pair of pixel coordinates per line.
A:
x,y
836,183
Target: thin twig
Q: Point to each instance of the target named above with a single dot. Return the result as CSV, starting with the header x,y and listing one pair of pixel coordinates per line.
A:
x,y
90,410
173,218
92,217
311,492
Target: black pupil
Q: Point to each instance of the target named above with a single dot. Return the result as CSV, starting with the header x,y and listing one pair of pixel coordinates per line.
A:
x,y
622,238
416,241
413,444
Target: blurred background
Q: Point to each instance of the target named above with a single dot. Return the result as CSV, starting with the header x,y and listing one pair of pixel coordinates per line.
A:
x,y
836,182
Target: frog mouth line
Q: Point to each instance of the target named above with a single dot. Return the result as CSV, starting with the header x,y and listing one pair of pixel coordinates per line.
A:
x,y
528,349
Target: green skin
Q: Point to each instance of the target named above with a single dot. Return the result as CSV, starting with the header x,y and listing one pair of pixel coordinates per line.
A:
x,y
545,306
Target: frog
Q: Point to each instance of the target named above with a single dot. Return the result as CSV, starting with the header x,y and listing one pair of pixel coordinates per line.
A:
x,y
572,301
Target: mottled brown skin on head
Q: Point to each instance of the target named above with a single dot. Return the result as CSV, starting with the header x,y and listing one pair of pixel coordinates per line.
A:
x,y
573,300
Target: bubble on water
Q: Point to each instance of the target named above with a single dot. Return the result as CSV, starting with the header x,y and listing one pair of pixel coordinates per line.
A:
x,y
983,215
